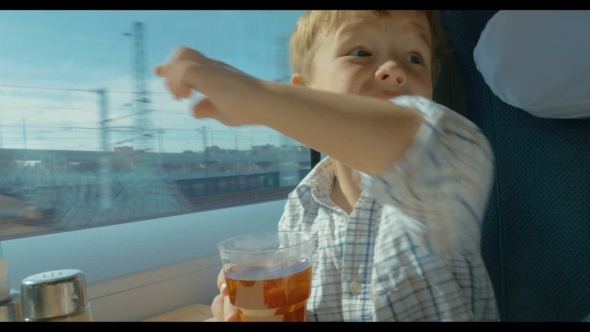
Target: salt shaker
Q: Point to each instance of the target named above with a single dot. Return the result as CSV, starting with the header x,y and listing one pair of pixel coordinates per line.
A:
x,y
55,296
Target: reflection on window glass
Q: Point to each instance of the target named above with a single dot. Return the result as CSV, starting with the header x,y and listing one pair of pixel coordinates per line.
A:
x,y
90,137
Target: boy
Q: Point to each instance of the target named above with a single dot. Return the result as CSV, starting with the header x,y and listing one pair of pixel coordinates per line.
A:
x,y
398,204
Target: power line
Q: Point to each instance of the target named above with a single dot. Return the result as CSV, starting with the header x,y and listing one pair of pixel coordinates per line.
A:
x,y
44,88
53,138
133,128
57,108
68,89
47,107
52,127
158,111
130,127
217,139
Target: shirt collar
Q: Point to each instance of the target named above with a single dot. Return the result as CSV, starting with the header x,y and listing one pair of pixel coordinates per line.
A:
x,y
319,181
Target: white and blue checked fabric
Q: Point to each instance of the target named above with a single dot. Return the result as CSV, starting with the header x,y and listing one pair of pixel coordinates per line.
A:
x,y
410,249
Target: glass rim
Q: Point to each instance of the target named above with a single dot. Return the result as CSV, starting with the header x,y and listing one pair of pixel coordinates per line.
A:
x,y
220,244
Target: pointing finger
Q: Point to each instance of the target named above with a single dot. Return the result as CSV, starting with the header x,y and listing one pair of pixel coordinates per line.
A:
x,y
161,70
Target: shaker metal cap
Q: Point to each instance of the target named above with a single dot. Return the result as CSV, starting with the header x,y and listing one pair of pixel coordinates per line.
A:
x,y
10,307
54,293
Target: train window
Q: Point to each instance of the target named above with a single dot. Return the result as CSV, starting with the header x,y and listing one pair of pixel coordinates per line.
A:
x,y
89,137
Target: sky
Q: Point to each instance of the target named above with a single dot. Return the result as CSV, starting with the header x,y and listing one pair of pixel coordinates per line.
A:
x,y
53,62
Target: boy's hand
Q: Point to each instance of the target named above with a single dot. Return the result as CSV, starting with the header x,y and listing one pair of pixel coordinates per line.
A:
x,y
221,307
225,87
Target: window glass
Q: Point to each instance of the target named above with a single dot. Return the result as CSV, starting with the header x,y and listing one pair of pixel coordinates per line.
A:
x,y
90,137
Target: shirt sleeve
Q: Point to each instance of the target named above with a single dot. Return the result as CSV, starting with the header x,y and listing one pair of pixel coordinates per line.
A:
x,y
442,183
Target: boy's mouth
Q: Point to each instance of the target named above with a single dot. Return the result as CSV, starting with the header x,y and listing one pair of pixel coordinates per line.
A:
x,y
385,95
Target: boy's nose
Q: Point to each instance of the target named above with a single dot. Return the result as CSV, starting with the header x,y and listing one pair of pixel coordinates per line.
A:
x,y
391,73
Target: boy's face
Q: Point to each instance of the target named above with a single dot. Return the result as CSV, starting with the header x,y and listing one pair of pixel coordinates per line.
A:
x,y
375,56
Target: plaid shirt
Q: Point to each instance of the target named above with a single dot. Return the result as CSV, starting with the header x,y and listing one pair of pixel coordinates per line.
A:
x,y
410,249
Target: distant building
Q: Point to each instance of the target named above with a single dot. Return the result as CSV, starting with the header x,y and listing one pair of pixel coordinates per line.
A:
x,y
264,149
123,148
215,149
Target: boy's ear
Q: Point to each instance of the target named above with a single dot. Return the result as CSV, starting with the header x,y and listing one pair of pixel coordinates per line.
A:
x,y
297,79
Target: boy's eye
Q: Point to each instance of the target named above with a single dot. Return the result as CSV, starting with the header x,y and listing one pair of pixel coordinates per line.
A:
x,y
360,53
414,58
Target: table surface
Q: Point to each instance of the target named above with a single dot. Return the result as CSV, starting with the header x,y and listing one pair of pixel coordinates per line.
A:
x,y
191,313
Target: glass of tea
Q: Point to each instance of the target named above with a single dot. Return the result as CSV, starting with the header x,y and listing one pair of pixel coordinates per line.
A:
x,y
268,275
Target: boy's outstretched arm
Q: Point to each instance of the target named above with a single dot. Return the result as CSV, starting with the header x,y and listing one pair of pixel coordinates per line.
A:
x,y
366,133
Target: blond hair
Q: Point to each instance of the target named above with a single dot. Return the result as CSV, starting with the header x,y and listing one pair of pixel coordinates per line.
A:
x,y
314,24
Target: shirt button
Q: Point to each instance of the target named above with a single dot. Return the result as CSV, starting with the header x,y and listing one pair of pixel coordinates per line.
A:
x,y
354,287
342,221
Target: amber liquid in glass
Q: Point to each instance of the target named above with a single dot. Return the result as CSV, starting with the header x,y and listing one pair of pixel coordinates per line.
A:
x,y
270,293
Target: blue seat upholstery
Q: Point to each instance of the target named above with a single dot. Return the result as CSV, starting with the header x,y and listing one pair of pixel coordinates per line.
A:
x,y
536,233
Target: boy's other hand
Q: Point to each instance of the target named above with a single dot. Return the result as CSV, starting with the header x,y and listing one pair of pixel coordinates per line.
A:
x,y
221,307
